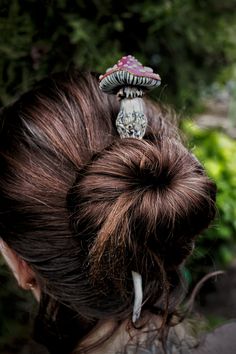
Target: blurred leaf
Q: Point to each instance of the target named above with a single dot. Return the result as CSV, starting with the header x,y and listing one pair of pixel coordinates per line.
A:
x,y
217,152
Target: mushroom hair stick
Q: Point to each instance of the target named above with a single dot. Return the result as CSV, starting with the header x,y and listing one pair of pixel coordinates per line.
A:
x,y
129,80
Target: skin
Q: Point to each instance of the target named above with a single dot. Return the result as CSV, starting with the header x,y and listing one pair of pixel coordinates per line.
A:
x,y
125,339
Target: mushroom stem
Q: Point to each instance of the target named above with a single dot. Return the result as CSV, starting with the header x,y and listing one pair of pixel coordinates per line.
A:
x,y
131,121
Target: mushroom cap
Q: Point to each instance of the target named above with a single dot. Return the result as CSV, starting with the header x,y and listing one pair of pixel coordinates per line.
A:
x,y
128,72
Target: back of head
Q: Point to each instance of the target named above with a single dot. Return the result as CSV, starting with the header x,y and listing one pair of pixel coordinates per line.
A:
x,y
85,208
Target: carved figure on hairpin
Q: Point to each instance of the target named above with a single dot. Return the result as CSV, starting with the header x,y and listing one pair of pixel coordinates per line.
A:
x,y
129,80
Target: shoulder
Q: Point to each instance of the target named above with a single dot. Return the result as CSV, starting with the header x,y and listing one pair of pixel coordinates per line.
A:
x,y
220,341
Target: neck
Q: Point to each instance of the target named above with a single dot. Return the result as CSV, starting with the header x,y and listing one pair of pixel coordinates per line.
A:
x,y
110,337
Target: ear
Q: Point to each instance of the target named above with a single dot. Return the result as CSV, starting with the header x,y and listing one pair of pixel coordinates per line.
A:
x,y
23,273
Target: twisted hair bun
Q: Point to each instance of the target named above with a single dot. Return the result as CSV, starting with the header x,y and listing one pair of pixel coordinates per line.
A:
x,y
84,224
145,200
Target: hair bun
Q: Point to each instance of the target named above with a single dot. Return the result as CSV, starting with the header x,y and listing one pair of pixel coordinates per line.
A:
x,y
140,199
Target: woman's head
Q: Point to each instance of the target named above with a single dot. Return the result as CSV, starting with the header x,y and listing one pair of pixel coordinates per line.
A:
x,y
84,208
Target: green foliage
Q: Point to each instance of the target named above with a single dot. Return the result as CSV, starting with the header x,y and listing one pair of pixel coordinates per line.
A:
x,y
188,42
217,246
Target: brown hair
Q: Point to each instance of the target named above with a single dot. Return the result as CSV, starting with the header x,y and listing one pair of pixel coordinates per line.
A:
x,y
84,208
